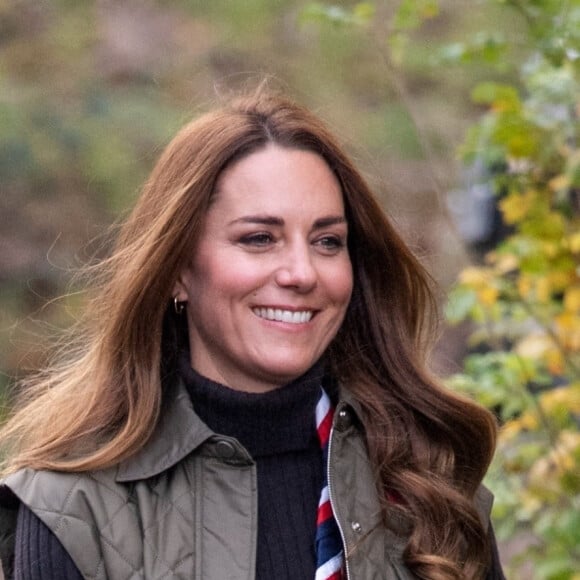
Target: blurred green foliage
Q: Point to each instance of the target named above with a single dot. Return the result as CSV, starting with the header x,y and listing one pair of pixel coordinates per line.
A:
x,y
524,301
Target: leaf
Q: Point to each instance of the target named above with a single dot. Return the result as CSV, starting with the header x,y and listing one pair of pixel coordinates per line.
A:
x,y
555,362
543,289
317,12
567,328
534,345
554,567
364,12
572,299
502,97
483,48
527,143
567,398
514,427
574,243
412,13
460,302
560,182
488,295
452,53
516,206
476,277
505,262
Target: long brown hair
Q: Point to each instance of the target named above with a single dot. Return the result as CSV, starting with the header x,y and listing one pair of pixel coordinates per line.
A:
x,y
100,403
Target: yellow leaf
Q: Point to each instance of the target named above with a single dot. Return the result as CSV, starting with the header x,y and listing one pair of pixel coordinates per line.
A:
x,y
515,206
475,277
559,182
567,327
530,502
525,422
534,346
550,249
560,280
546,471
541,346
572,299
565,321
525,286
555,361
574,243
506,263
488,295
543,289
568,397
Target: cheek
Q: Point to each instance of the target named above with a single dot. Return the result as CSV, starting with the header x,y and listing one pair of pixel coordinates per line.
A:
x,y
340,284
228,278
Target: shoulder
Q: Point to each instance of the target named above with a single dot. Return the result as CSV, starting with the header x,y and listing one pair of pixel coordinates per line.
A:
x,y
77,508
52,495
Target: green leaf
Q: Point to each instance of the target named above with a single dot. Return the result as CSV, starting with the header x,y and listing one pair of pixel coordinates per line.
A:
x,y
496,94
317,12
555,567
412,13
364,12
485,48
460,303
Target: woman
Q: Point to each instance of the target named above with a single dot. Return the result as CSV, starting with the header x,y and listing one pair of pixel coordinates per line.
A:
x,y
257,284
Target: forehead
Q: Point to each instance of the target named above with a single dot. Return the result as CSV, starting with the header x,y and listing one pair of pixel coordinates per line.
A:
x,y
279,178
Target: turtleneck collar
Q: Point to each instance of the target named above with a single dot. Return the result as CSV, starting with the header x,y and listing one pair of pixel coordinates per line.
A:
x,y
278,421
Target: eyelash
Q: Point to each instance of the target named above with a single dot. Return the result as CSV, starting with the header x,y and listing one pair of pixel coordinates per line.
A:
x,y
331,242
257,239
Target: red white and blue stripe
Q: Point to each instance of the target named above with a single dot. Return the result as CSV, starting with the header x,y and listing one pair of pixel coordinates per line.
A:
x,y
329,551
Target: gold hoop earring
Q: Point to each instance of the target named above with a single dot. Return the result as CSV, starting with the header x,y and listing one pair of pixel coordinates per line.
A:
x,y
179,307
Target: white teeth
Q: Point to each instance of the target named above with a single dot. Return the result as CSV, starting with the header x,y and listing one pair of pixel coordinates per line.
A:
x,y
280,315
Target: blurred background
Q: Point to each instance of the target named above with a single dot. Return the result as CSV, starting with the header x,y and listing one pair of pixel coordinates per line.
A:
x,y
443,105
91,91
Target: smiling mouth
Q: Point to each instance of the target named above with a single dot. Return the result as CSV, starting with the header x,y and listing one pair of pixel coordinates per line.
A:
x,y
279,315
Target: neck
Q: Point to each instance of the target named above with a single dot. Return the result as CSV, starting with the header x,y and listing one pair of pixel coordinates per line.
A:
x,y
265,423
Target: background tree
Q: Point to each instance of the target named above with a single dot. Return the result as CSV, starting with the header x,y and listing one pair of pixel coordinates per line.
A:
x,y
525,299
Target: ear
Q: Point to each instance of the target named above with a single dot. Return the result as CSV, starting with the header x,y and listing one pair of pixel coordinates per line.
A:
x,y
182,286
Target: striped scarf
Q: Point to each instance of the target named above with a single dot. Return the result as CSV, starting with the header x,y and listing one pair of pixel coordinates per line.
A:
x,y
328,541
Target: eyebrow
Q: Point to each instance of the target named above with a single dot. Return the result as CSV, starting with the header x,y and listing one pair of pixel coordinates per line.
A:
x,y
268,220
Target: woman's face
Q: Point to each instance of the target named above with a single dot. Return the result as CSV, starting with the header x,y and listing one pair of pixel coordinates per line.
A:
x,y
269,284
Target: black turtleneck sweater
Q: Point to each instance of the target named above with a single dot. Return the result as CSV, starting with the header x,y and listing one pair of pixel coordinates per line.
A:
x,y
278,430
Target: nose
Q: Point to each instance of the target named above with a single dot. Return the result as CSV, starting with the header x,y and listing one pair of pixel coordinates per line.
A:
x,y
297,269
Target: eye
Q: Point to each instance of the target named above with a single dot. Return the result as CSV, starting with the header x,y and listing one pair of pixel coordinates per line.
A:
x,y
257,240
331,244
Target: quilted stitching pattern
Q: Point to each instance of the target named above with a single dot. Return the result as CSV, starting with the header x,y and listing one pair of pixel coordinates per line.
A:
x,y
107,526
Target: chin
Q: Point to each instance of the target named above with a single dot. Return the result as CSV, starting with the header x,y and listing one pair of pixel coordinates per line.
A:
x,y
284,374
